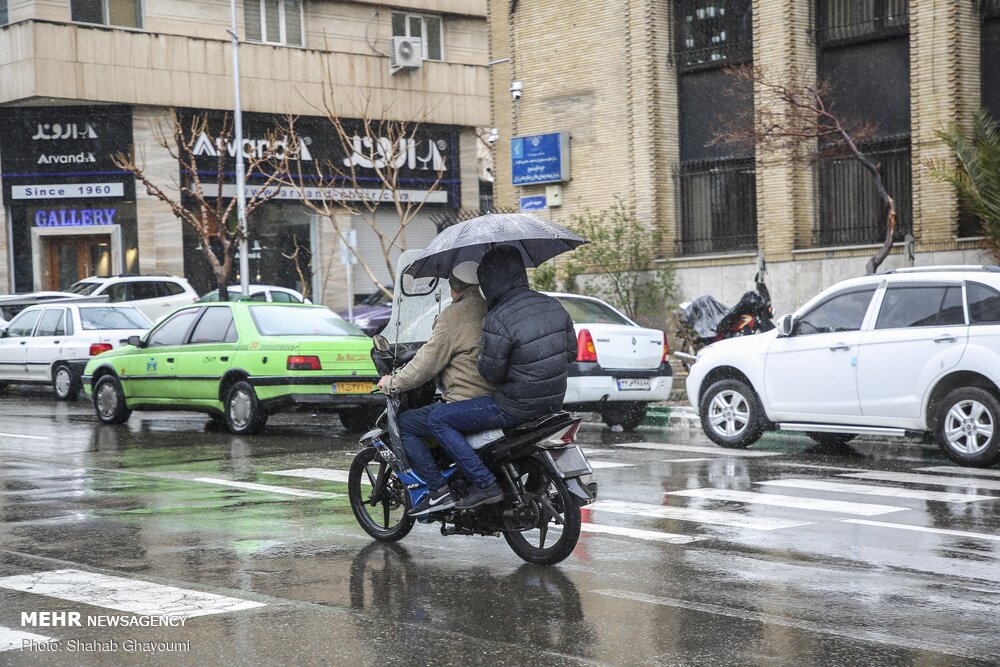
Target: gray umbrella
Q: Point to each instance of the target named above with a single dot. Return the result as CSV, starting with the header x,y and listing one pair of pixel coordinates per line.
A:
x,y
537,239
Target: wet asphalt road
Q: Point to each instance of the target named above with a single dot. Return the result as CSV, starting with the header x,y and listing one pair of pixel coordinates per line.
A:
x,y
764,557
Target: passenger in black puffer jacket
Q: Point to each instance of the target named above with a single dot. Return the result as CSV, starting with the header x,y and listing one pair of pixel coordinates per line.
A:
x,y
528,342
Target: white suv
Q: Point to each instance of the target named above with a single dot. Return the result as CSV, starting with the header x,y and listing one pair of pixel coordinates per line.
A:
x,y
902,353
155,296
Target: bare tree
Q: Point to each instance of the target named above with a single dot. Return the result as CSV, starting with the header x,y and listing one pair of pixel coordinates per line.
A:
x,y
213,216
795,115
370,176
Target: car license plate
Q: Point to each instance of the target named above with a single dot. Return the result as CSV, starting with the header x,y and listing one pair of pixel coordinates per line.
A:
x,y
353,387
633,384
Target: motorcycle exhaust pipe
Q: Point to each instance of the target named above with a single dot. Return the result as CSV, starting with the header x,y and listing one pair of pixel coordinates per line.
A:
x,y
684,356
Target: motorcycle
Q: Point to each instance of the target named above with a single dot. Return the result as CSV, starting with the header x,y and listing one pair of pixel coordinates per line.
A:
x,y
545,477
704,321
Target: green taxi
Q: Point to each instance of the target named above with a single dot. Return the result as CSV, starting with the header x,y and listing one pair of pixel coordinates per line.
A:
x,y
239,362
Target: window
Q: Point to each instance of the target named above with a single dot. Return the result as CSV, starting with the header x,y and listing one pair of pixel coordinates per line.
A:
x,y
4,16
119,292
259,296
843,312
142,290
215,326
52,323
84,287
95,318
712,33
172,331
425,28
283,297
984,304
23,324
299,321
274,21
839,20
585,311
921,306
718,206
170,289
126,13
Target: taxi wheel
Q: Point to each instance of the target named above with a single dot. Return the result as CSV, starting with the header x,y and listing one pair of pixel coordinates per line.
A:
x,y
109,401
244,413
65,385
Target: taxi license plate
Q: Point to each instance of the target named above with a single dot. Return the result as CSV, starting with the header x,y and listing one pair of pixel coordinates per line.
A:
x,y
353,387
633,384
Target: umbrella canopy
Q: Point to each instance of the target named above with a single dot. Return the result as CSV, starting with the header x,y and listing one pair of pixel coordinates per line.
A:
x,y
537,239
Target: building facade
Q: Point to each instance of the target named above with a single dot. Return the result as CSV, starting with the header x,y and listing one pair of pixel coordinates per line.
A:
x,y
641,89
82,80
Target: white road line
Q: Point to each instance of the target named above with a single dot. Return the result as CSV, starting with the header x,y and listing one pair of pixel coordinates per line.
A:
x,y
588,452
326,474
250,486
924,529
687,460
930,480
600,465
26,437
954,470
874,490
11,639
815,467
822,628
815,504
128,595
731,519
651,535
718,451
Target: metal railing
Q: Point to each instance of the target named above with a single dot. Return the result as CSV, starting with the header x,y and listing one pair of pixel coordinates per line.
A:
x,y
717,201
847,20
850,211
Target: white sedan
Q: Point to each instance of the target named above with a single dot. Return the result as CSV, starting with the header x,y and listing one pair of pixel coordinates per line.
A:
x,y
620,366
51,344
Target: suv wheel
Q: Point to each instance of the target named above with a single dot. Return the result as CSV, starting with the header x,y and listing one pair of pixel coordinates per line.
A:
x,y
968,427
109,401
731,415
244,414
65,385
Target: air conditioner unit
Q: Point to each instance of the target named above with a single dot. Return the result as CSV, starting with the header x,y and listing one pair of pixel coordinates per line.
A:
x,y
405,52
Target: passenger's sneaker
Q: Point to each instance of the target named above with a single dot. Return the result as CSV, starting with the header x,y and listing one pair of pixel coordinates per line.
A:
x,y
435,501
490,495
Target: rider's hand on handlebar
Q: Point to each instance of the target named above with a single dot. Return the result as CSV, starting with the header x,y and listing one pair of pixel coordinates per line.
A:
x,y
385,383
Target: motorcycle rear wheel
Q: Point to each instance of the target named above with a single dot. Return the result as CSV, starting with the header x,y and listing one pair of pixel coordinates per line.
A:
x,y
547,494
385,518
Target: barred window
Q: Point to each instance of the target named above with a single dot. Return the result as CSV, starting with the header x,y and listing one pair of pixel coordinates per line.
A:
x,y
850,209
845,20
718,206
274,21
989,61
712,33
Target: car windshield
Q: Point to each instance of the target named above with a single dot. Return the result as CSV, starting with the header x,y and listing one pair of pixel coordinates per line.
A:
x,y
95,318
298,321
585,311
83,287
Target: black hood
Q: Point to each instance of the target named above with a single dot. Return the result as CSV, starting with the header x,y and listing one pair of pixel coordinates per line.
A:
x,y
501,271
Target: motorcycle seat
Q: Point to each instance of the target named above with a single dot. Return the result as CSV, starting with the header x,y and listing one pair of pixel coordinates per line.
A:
x,y
536,423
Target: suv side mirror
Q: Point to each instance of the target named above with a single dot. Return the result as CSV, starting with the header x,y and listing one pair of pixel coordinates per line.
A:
x,y
785,325
135,341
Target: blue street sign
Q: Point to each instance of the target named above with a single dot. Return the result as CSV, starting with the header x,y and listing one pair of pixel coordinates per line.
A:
x,y
533,203
540,158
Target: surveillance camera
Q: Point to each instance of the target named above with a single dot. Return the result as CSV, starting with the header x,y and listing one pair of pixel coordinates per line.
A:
x,y
516,90
493,136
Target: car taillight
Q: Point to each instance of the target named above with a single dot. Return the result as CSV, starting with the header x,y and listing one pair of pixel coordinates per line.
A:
x,y
666,351
585,347
300,363
97,348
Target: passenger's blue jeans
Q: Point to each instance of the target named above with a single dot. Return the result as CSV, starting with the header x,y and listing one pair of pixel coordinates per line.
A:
x,y
414,428
449,421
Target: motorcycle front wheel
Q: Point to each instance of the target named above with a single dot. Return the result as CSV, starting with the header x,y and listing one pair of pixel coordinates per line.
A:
x,y
554,532
383,515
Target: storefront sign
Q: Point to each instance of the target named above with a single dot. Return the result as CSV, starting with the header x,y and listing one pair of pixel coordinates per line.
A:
x,y
330,194
64,152
540,158
73,217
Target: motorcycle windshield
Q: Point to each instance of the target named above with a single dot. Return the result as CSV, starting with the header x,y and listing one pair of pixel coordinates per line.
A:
x,y
416,303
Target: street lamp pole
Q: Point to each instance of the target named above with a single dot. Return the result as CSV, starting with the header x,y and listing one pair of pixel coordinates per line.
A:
x,y
241,201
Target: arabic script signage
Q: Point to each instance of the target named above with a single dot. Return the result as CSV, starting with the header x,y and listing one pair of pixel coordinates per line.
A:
x,y
540,158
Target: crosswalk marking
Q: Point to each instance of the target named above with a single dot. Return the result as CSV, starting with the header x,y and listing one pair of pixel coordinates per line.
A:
x,y
698,449
326,474
930,480
26,437
250,486
687,460
797,502
128,595
731,519
874,490
600,465
651,535
953,470
924,529
785,464
14,639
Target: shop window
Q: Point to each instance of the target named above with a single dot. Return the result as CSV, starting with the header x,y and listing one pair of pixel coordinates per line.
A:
x,y
127,13
712,33
274,21
425,28
848,20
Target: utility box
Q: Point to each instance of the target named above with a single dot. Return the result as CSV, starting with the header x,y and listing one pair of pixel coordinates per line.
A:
x,y
553,196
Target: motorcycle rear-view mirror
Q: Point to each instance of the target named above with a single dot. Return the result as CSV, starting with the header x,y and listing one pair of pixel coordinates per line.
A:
x,y
785,325
380,343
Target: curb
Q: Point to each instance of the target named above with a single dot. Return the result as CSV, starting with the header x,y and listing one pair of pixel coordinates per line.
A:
x,y
672,416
